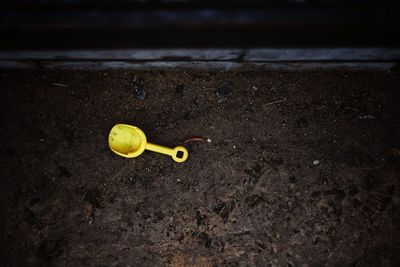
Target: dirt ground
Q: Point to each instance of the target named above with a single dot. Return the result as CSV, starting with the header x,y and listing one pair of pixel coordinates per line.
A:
x,y
302,169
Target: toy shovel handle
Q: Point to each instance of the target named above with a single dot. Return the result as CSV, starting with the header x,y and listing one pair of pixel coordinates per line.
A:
x,y
179,153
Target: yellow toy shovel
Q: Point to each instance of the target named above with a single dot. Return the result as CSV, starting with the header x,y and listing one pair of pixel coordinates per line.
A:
x,y
129,141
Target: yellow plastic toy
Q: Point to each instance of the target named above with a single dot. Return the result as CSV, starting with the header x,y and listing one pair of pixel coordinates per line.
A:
x,y
129,141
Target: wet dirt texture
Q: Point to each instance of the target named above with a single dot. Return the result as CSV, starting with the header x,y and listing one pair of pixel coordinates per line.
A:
x,y
302,169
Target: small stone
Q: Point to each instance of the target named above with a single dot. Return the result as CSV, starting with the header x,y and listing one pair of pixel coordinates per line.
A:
x,y
323,204
274,248
224,91
302,232
141,93
208,140
315,162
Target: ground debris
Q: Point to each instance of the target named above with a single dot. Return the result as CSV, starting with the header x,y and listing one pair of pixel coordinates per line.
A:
x,y
60,84
224,91
195,139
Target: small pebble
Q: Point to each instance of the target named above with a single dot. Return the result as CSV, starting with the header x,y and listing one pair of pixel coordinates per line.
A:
x,y
315,162
141,93
208,140
224,91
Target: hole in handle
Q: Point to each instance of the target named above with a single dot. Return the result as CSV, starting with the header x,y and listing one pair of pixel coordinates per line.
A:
x,y
181,154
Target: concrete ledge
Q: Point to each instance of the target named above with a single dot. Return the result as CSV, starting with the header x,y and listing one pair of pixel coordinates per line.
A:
x,y
199,65
252,54
282,59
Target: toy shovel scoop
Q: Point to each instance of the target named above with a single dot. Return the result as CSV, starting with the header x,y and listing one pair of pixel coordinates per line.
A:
x,y
129,141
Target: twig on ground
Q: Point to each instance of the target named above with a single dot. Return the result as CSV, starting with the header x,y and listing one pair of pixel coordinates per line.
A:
x,y
366,117
274,102
194,139
231,140
350,108
60,84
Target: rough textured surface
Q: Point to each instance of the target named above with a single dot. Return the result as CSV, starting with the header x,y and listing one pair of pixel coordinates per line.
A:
x,y
302,169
